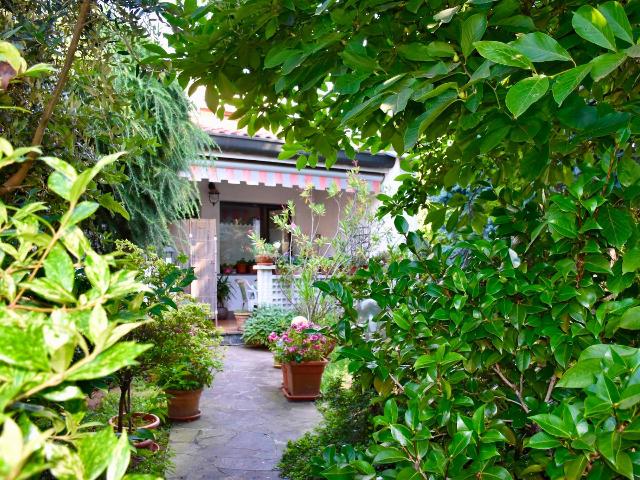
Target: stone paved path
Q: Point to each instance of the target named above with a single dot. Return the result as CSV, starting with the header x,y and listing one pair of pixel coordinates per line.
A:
x,y
245,423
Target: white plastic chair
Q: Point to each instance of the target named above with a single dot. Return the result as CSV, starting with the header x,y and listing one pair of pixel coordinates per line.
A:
x,y
248,292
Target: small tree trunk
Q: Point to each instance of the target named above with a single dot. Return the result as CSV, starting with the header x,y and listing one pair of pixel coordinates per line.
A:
x,y
18,177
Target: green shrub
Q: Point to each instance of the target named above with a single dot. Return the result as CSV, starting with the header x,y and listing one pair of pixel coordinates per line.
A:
x,y
57,332
262,322
186,352
346,413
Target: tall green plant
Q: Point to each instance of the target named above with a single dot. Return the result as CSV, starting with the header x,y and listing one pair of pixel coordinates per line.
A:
x,y
57,331
164,144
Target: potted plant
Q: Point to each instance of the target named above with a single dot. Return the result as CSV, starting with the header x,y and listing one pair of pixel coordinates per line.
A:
x,y
264,252
186,356
165,280
224,292
242,267
227,269
302,349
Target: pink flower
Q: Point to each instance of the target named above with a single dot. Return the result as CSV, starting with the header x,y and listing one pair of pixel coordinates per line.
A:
x,y
273,336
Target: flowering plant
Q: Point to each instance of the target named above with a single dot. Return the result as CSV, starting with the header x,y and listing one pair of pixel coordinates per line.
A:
x,y
301,342
262,247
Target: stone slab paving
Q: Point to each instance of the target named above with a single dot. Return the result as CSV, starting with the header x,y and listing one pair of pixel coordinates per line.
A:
x,y
245,423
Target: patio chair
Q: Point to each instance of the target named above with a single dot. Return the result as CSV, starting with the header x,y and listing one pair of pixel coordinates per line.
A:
x,y
248,293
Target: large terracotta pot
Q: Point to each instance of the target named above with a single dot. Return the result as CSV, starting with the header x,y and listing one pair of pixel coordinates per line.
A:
x,y
264,260
241,317
184,405
148,421
301,381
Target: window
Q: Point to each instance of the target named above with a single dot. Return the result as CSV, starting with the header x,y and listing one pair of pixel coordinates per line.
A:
x,y
237,220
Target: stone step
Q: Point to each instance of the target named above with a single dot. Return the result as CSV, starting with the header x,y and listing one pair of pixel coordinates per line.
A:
x,y
232,339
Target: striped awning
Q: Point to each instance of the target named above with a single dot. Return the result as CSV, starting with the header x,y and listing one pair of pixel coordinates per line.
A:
x,y
271,176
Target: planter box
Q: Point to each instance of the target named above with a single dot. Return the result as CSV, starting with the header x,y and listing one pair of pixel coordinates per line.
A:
x,y
184,405
301,381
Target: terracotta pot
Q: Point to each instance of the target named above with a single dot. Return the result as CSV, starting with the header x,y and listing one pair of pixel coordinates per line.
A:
x,y
264,260
241,317
301,381
184,405
151,422
242,268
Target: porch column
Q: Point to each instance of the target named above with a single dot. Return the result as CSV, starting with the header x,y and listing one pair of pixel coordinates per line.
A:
x,y
264,284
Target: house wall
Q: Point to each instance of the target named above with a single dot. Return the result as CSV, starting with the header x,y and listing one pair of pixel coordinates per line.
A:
x,y
277,195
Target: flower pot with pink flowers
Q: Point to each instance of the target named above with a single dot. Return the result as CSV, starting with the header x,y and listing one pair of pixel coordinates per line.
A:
x,y
302,349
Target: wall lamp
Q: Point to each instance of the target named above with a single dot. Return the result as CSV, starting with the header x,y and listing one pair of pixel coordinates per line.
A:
x,y
214,194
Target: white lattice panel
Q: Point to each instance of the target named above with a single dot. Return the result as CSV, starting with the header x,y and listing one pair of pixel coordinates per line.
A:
x,y
283,296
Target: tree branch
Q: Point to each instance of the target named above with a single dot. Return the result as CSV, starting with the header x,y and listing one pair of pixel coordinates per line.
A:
x,y
552,384
512,386
18,177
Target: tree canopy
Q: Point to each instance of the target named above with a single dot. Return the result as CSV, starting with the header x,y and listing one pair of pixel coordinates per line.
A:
x,y
506,344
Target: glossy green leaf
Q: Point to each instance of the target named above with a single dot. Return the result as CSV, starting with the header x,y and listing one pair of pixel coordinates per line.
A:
x,y
568,81
119,356
540,47
552,424
503,54
473,29
617,20
617,225
389,455
525,93
603,65
59,268
591,25
631,319
543,441
581,375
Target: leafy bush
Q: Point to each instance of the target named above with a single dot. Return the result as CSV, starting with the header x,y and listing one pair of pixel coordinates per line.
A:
x,y
56,332
186,352
262,322
506,345
346,419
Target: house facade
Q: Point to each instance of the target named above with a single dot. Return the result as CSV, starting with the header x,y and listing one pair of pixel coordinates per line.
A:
x,y
245,187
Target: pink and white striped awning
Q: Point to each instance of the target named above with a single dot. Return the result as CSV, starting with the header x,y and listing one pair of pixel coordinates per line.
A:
x,y
271,176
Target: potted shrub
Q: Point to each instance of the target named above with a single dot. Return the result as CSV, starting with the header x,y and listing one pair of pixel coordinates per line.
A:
x,y
165,280
186,356
224,292
227,269
264,252
302,349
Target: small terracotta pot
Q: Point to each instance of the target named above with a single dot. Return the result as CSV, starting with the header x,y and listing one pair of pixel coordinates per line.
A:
x,y
301,381
184,405
242,268
264,260
151,423
241,317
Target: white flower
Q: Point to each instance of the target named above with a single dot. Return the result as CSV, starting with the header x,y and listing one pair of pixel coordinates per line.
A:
x,y
276,245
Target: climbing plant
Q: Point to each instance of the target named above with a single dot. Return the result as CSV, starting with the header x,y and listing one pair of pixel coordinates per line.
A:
x,y
506,345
